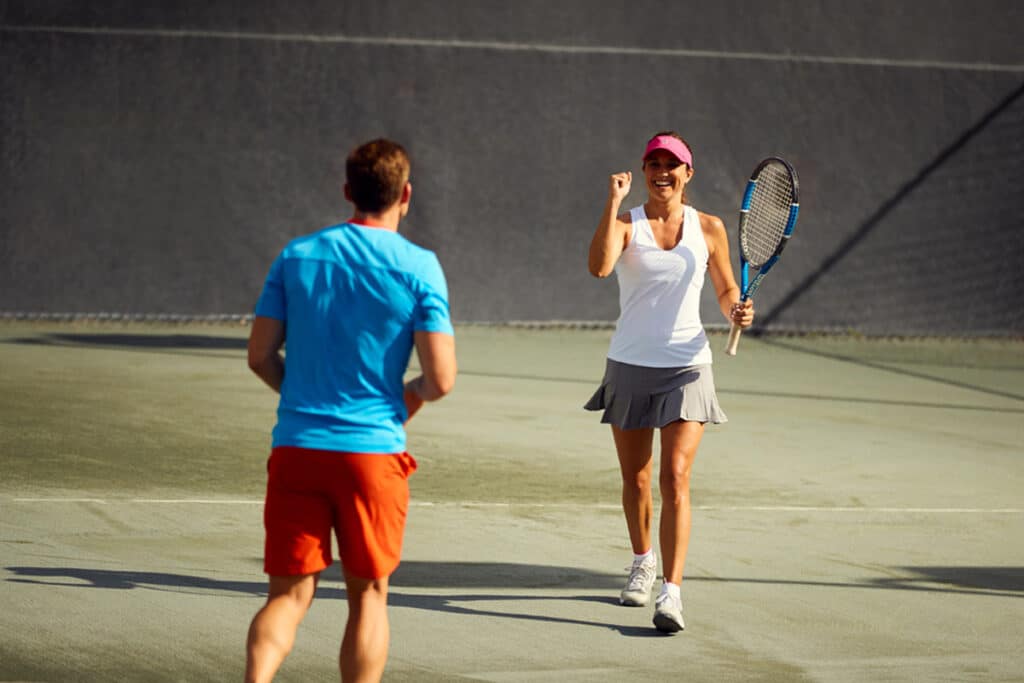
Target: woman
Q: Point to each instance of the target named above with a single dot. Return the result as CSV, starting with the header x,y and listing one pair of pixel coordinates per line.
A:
x,y
658,372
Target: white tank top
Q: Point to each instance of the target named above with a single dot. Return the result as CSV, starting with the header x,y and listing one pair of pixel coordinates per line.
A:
x,y
659,297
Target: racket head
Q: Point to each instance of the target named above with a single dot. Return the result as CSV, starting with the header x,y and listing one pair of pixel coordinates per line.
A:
x,y
769,211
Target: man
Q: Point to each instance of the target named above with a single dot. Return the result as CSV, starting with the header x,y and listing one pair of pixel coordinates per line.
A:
x,y
349,303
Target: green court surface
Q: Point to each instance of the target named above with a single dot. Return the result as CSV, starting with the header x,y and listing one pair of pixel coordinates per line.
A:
x,y
859,518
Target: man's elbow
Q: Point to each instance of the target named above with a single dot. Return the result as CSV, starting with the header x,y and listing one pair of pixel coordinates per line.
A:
x,y
437,385
445,386
440,387
258,363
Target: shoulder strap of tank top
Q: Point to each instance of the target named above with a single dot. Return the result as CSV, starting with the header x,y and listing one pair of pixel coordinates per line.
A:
x,y
638,222
693,234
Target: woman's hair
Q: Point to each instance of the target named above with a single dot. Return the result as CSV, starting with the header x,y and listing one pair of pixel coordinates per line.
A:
x,y
376,172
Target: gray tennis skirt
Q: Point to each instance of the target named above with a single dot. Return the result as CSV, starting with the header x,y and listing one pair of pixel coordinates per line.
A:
x,y
635,396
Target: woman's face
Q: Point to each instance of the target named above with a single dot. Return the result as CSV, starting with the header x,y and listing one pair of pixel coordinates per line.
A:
x,y
666,176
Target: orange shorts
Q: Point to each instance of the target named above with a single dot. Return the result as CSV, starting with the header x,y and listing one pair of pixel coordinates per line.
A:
x,y
363,497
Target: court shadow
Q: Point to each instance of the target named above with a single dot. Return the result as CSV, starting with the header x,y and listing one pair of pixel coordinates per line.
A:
x,y
413,575
136,341
410,574
1003,579
113,579
499,602
419,575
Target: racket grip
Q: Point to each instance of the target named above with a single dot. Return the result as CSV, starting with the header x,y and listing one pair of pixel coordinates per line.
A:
x,y
734,339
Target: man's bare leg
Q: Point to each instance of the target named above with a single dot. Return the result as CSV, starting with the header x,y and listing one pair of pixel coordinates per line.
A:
x,y
272,631
364,649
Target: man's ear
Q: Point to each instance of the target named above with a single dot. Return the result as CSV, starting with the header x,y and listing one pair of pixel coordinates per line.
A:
x,y
348,195
406,197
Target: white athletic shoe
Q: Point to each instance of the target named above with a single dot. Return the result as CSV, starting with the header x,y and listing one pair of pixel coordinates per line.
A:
x,y
641,579
668,614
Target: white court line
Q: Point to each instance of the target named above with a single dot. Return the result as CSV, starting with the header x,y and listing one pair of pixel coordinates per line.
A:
x,y
515,47
197,501
553,506
98,501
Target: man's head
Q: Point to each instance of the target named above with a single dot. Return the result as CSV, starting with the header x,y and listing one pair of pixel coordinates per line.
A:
x,y
376,175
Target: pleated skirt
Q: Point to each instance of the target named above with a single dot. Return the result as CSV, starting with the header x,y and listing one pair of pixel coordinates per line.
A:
x,y
635,396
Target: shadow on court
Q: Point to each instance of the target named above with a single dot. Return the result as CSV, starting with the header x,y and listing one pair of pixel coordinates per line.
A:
x,y
529,607
410,574
420,575
136,341
1007,579
996,581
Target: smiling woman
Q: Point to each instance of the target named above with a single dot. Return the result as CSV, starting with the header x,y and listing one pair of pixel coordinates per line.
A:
x,y
658,372
668,162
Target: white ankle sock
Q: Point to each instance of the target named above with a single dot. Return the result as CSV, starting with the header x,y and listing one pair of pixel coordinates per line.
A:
x,y
670,588
641,558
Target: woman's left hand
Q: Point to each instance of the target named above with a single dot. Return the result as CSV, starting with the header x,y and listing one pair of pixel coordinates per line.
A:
x,y
742,313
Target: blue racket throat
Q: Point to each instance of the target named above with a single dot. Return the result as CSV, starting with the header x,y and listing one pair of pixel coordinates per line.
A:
x,y
744,281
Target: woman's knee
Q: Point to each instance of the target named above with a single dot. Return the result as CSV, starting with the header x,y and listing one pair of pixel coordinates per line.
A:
x,y
639,480
674,478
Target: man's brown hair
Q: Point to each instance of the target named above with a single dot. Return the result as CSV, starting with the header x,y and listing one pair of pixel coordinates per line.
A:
x,y
376,172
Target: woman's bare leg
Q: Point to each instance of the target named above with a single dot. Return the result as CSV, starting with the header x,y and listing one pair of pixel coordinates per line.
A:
x,y
679,442
634,448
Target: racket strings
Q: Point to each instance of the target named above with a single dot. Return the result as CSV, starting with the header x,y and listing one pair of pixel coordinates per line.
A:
x,y
768,215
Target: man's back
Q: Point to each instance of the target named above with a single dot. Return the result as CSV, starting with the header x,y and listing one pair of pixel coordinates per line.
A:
x,y
351,297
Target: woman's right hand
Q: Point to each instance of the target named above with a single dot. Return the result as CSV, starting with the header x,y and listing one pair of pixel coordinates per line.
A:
x,y
619,184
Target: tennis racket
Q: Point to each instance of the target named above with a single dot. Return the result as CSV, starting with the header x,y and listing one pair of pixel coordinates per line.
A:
x,y
767,218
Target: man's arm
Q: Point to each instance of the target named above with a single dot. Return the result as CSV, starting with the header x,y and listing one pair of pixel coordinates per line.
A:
x,y
265,341
436,353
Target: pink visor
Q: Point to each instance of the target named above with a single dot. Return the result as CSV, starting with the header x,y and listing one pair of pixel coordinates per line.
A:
x,y
669,144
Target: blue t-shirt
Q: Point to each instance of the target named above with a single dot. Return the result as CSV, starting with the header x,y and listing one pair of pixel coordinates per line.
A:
x,y
350,298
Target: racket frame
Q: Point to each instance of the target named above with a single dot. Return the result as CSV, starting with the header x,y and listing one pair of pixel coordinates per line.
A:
x,y
748,286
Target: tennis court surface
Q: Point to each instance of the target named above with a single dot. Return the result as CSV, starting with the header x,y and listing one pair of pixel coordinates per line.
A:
x,y
859,518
